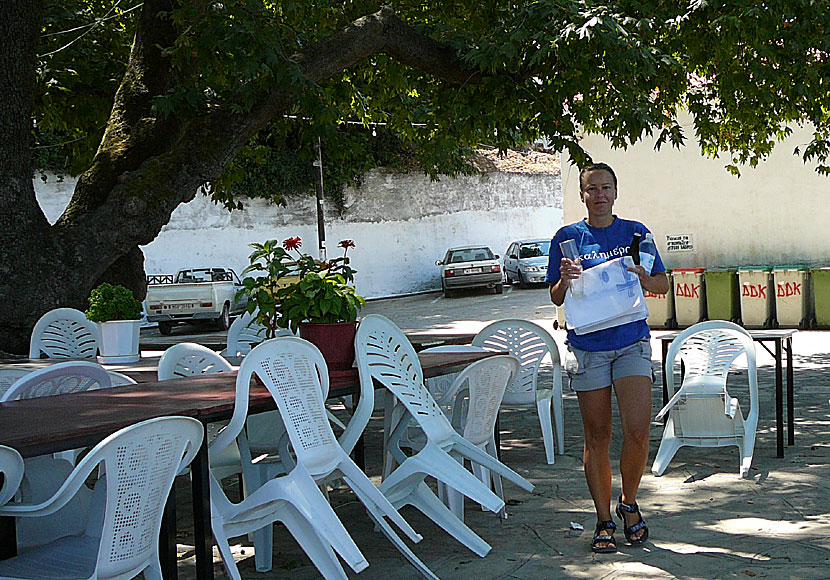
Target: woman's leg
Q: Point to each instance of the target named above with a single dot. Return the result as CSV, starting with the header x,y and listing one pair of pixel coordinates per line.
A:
x,y
595,407
634,402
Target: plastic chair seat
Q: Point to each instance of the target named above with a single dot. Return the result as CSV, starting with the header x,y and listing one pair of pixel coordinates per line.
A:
x,y
68,558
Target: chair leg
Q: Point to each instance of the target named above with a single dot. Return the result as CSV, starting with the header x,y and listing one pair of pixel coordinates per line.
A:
x,y
668,447
424,500
153,571
543,409
264,548
224,548
498,487
317,549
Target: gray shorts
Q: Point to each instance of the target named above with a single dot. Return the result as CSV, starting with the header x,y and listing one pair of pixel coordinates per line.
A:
x,y
591,370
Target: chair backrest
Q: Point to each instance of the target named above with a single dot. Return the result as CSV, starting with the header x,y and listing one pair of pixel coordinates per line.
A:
x,y
11,466
383,353
244,332
64,333
710,348
485,381
187,359
119,379
295,373
140,463
59,379
530,344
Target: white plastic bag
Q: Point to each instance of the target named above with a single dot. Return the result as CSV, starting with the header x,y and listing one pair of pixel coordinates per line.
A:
x,y
611,296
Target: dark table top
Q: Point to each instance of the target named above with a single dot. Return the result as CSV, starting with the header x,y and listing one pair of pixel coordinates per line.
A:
x,y
48,424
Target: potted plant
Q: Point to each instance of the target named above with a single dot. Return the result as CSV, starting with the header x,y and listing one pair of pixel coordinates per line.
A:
x,y
118,315
298,292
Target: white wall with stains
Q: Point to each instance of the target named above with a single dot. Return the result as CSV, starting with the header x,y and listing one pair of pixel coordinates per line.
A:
x,y
401,224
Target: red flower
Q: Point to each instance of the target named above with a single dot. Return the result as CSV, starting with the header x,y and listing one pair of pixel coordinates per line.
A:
x,y
292,243
345,244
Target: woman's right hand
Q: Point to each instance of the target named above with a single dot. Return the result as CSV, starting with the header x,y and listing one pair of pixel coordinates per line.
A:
x,y
569,271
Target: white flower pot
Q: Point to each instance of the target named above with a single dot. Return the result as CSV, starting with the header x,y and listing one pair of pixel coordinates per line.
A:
x,y
119,341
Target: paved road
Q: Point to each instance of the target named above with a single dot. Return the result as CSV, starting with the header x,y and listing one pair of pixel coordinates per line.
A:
x,y
468,311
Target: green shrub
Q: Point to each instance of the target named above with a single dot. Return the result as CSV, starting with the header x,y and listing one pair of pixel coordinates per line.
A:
x,y
108,302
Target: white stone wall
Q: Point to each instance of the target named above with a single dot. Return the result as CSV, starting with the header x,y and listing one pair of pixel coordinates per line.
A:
x,y
401,224
776,213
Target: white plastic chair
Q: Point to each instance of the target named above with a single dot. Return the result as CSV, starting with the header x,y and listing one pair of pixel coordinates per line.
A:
x,y
384,354
11,466
188,359
531,345
44,475
476,397
244,332
295,373
293,499
121,537
702,413
64,333
59,379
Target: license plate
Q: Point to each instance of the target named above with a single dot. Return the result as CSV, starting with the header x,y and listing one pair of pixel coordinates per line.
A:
x,y
472,270
179,306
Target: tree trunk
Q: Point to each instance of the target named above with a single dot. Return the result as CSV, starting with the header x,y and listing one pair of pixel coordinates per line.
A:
x,y
145,165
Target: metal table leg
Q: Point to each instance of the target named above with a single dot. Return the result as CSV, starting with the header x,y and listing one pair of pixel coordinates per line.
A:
x,y
167,539
200,481
790,398
779,400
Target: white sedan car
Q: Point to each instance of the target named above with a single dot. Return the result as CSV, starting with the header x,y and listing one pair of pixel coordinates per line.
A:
x,y
470,267
526,261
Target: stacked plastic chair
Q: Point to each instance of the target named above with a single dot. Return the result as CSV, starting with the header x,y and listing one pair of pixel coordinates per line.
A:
x,y
384,354
120,538
295,374
64,333
531,345
188,359
702,413
59,379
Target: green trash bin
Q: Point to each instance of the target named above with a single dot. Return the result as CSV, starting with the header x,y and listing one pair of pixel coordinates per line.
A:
x,y
792,292
757,296
821,297
661,308
722,299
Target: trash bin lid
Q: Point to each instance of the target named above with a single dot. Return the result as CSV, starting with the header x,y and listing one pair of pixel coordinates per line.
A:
x,y
688,270
791,267
755,268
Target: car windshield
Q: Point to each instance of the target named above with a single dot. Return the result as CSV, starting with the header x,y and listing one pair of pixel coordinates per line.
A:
x,y
534,250
469,255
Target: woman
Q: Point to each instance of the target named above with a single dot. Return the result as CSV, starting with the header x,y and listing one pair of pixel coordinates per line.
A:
x,y
618,357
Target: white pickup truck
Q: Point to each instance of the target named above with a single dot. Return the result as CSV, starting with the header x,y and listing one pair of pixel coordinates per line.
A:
x,y
196,295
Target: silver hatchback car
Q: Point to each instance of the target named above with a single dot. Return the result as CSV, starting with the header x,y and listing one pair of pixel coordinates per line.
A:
x,y
526,261
470,267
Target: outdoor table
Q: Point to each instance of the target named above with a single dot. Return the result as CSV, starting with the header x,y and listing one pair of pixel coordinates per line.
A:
x,y
48,424
218,341
782,340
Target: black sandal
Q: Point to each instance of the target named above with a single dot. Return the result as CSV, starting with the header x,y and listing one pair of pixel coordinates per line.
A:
x,y
610,543
632,508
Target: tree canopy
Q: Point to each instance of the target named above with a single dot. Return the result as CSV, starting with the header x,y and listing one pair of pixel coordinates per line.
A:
x,y
149,101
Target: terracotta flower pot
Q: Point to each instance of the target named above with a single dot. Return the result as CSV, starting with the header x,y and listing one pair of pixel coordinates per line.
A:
x,y
334,339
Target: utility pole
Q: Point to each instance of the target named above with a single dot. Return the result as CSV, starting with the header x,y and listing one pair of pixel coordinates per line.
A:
x,y
321,222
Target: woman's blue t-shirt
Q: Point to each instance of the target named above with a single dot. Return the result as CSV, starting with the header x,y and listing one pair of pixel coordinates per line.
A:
x,y
598,245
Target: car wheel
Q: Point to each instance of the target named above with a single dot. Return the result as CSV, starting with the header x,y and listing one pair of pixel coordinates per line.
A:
x,y
165,328
447,292
499,289
522,281
224,320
